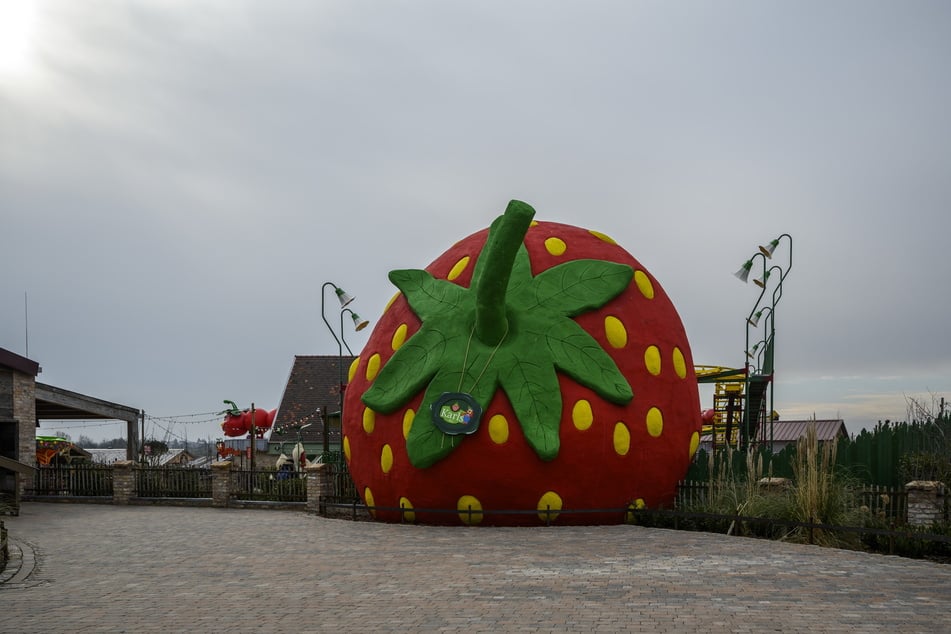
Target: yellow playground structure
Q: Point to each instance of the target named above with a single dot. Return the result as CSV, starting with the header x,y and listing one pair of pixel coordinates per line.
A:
x,y
740,406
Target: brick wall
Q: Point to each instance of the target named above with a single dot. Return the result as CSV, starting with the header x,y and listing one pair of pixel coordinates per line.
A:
x,y
6,393
24,410
123,482
18,408
220,483
926,502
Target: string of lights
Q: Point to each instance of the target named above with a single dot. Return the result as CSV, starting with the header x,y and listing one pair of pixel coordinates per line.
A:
x,y
167,423
210,417
188,415
169,432
81,424
296,424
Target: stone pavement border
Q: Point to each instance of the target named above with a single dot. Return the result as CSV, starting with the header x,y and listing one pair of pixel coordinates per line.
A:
x,y
20,566
174,569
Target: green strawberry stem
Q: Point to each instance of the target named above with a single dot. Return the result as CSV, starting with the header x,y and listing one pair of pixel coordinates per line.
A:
x,y
545,342
503,243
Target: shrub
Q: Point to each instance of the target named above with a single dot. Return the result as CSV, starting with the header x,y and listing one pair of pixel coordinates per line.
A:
x,y
820,497
735,491
911,541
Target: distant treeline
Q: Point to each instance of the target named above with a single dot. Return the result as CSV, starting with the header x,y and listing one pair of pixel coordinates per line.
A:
x,y
200,447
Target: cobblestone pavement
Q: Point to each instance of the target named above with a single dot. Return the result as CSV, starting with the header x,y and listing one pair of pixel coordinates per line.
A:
x,y
98,568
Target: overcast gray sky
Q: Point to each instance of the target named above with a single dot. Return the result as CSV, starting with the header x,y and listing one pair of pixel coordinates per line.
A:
x,y
179,178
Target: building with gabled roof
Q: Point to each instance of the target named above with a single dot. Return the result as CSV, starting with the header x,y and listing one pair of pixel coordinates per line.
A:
x,y
788,432
176,457
309,412
106,456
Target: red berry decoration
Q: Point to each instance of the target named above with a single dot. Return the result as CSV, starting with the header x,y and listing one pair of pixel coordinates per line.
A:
x,y
533,366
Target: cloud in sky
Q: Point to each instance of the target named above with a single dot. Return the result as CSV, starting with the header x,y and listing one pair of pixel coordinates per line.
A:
x,y
178,179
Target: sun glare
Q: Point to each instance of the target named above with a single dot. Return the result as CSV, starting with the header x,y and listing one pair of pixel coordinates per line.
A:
x,y
17,25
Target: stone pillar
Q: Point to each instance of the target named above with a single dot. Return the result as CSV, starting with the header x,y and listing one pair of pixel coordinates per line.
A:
x,y
926,502
123,482
220,483
319,486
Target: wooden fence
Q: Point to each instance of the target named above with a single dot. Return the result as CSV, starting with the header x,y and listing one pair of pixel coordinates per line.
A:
x,y
82,480
85,480
883,502
277,486
344,490
172,482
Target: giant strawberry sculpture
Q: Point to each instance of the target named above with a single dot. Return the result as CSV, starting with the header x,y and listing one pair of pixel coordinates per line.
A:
x,y
534,366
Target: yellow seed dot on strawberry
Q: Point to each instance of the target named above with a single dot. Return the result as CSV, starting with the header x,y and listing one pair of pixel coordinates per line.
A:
x,y
459,267
655,422
694,444
408,416
581,414
644,284
373,366
368,500
630,516
407,506
470,510
680,366
399,337
499,429
548,505
615,332
652,360
602,236
391,302
386,459
555,246
622,439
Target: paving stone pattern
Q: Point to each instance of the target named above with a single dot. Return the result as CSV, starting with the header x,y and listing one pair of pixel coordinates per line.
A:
x,y
95,568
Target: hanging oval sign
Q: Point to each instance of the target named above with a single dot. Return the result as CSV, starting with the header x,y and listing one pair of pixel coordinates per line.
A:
x,y
456,413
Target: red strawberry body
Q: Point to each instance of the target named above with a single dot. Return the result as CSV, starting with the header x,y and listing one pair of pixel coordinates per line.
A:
x,y
611,455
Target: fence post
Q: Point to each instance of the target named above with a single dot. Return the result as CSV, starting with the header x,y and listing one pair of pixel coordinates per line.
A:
x,y
319,486
123,483
220,483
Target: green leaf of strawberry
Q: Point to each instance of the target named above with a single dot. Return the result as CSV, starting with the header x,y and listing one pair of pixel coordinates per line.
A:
x,y
508,330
